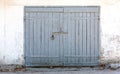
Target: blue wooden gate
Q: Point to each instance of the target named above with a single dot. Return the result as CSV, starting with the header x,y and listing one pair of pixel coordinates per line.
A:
x,y
62,36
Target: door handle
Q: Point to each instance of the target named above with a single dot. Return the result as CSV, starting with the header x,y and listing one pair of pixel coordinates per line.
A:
x,y
61,32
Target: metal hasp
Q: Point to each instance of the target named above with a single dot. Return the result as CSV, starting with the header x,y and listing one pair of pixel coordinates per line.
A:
x,y
62,35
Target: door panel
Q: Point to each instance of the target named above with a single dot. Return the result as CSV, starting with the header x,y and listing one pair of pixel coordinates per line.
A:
x,y
81,41
43,41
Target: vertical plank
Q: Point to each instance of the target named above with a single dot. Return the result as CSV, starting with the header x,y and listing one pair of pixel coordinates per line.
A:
x,y
50,34
46,37
31,24
73,37
67,50
76,37
88,37
26,28
68,37
55,41
80,37
27,37
42,50
39,35
92,38
35,34
84,37
61,39
67,20
97,37
70,29
65,37
38,42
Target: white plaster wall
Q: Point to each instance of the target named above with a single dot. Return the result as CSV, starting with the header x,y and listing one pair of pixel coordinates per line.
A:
x,y
1,31
11,27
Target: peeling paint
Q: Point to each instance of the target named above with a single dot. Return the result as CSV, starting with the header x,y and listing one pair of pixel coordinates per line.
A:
x,y
2,60
110,49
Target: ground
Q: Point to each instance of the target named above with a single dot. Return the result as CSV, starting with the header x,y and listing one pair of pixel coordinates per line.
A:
x,y
85,70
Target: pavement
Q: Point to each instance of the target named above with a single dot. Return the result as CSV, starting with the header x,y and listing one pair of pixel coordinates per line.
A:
x,y
85,70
